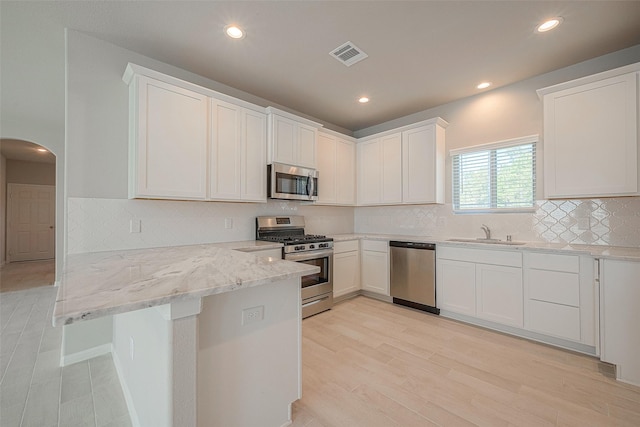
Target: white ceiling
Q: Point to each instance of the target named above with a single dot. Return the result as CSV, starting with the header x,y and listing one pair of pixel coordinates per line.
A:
x,y
421,53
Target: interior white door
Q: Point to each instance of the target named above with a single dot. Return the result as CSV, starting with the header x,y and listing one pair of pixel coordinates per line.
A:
x,y
30,222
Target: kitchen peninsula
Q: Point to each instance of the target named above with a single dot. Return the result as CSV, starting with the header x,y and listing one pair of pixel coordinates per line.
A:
x,y
229,319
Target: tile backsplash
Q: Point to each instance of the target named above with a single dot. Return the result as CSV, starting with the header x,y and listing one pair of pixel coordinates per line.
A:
x,y
611,221
104,224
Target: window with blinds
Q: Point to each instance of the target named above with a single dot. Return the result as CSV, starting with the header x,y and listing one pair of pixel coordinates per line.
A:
x,y
499,177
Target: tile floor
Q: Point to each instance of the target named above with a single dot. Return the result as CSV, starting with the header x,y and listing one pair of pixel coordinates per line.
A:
x,y
34,389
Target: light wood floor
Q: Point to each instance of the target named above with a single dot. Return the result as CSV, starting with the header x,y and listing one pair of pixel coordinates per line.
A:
x,y
369,363
19,276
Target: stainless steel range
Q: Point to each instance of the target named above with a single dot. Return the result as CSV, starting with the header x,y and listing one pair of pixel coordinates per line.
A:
x,y
317,289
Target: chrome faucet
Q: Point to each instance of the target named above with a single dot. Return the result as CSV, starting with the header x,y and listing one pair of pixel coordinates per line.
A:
x,y
487,231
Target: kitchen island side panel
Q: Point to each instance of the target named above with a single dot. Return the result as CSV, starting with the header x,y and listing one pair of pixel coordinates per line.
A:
x,y
249,365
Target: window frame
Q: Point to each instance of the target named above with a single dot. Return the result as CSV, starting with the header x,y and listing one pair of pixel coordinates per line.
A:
x,y
492,175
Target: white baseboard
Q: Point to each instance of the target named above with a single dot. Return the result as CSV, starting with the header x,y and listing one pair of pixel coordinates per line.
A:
x,y
128,398
83,355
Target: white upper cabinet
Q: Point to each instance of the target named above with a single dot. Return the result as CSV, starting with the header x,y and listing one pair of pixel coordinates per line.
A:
x,y
337,166
238,153
403,166
423,160
292,140
168,141
591,135
345,172
191,143
254,156
380,170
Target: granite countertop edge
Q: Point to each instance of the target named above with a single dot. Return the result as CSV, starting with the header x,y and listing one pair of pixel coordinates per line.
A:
x,y
99,284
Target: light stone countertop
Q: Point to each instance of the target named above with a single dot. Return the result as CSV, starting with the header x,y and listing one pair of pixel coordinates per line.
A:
x,y
105,283
249,245
597,251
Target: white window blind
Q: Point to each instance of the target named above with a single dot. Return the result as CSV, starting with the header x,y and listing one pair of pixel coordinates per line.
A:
x,y
498,177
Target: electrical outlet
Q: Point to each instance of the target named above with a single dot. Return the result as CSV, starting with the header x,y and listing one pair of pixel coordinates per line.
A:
x,y
228,223
584,223
132,348
135,225
252,315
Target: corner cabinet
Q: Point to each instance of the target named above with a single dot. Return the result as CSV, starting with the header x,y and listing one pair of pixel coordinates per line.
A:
x,y
380,171
292,140
187,142
374,266
423,161
403,166
346,268
337,168
591,135
169,140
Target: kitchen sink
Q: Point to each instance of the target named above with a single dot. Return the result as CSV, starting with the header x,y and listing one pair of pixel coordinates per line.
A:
x,y
488,241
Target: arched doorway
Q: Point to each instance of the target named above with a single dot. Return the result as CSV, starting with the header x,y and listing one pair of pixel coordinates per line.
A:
x,y
27,215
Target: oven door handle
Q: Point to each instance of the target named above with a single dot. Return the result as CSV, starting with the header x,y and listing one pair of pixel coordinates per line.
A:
x,y
317,301
305,256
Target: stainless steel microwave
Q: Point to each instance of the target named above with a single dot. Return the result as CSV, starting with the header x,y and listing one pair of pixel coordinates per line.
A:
x,y
292,182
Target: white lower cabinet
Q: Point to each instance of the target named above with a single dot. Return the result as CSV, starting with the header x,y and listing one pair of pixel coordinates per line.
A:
x,y
456,286
560,296
620,317
481,283
499,294
346,268
375,266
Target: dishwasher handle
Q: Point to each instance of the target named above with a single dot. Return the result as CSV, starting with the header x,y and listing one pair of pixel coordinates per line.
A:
x,y
413,245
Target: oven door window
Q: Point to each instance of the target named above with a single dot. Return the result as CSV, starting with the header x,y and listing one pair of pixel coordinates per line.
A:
x,y
318,278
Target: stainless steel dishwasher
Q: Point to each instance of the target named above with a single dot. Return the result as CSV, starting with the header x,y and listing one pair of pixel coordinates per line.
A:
x,y
413,275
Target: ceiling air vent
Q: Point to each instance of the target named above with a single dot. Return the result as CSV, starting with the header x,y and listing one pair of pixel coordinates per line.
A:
x,y
348,54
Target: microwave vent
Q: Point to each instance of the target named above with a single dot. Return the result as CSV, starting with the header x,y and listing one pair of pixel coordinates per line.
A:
x,y
348,53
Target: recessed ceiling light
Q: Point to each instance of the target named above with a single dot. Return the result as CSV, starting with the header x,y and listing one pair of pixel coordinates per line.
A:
x,y
363,100
234,32
42,150
484,85
549,25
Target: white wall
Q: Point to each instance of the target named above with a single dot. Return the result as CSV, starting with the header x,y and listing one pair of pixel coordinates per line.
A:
x,y
32,87
3,207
